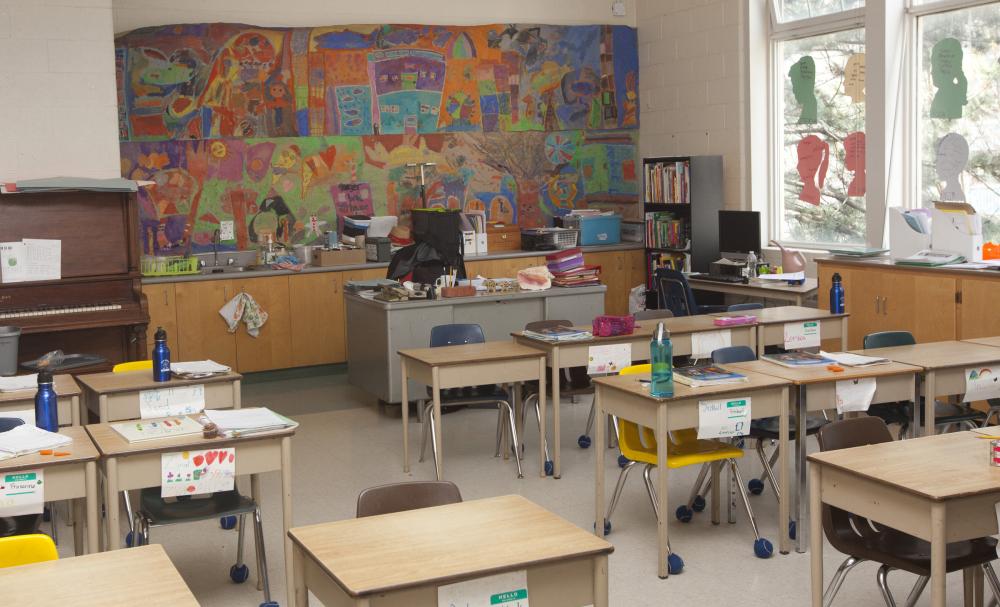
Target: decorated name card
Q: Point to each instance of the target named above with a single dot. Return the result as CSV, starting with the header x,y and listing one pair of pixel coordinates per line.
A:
x,y
168,402
982,383
503,590
855,394
703,343
801,335
197,472
21,492
608,359
723,418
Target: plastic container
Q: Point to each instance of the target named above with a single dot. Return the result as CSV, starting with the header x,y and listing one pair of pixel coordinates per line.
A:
x,y
9,338
548,239
46,403
169,266
606,325
596,230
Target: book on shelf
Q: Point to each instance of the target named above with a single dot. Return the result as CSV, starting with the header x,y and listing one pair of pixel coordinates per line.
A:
x,y
668,182
707,375
559,334
794,360
665,231
674,260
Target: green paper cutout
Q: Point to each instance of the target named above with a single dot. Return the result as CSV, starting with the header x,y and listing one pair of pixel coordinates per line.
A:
x,y
952,86
803,75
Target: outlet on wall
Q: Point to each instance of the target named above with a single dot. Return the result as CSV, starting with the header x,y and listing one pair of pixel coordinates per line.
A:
x,y
618,8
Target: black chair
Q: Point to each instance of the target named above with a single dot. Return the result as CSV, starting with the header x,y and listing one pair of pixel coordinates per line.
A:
x,y
400,497
24,524
862,541
675,294
653,314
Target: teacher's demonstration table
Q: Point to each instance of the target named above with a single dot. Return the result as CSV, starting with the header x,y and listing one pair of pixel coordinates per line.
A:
x,y
764,289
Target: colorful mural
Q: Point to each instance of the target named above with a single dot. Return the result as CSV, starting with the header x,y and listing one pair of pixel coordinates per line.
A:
x,y
278,129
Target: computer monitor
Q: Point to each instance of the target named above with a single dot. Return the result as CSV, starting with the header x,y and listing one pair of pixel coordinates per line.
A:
x,y
739,233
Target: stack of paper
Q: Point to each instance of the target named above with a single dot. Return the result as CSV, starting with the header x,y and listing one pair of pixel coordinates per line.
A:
x,y
31,259
559,334
197,369
25,439
150,429
795,360
855,360
237,422
707,375
19,382
568,269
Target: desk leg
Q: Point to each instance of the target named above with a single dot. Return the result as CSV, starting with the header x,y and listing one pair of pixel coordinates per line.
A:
x,y
286,514
939,554
111,498
800,470
300,592
255,494
599,430
783,449
74,411
439,445
759,332
816,535
542,413
556,427
601,581
405,408
662,519
102,408
77,507
843,333
930,391
93,499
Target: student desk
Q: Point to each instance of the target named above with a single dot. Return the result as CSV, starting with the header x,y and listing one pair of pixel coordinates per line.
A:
x,y
115,396
624,396
459,366
894,382
985,341
139,576
771,324
400,559
944,364
564,355
764,289
68,398
939,488
69,477
127,466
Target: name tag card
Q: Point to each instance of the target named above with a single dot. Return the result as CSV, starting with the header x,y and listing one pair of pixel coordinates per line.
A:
x,y
703,343
21,492
982,383
196,472
724,418
503,590
801,335
170,402
608,359
855,394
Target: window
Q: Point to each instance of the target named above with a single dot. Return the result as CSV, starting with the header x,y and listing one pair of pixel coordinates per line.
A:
x,y
796,10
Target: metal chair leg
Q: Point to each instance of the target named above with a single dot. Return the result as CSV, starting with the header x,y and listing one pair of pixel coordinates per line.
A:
x,y
917,590
882,578
428,421
513,436
619,486
838,579
590,421
545,439
129,513
735,469
240,535
991,579
768,464
698,484
650,490
258,533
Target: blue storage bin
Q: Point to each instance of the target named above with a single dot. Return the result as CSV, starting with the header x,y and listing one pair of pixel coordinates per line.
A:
x,y
601,229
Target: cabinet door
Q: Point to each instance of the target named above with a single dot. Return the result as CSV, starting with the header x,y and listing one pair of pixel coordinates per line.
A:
x,y
614,277
162,313
201,332
635,262
863,291
935,311
272,348
317,318
824,276
977,313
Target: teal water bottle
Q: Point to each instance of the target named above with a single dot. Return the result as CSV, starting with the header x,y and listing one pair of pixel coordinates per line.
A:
x,y
661,355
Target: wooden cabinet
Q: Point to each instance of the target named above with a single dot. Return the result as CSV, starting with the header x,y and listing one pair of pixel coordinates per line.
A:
x,y
272,348
978,308
615,277
316,302
635,262
201,332
162,313
501,268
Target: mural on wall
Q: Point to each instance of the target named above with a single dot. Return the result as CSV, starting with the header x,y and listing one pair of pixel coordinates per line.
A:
x,y
278,129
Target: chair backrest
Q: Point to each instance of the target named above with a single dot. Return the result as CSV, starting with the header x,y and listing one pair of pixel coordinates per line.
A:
x,y
134,365
399,497
541,325
450,335
733,354
745,306
9,423
674,293
19,550
653,314
888,339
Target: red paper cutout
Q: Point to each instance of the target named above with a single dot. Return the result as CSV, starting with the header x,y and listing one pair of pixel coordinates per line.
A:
x,y
814,160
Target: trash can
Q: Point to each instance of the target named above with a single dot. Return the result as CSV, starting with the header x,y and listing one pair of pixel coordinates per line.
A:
x,y
8,349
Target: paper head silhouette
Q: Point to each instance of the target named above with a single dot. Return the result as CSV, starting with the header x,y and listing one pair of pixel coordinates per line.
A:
x,y
803,75
814,160
948,77
854,77
854,160
950,157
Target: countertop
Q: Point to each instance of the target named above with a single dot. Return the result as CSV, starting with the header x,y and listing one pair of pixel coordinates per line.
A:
x,y
624,246
477,298
885,262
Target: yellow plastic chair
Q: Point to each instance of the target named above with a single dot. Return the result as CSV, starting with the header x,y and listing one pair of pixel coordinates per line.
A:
x,y
638,445
26,549
133,365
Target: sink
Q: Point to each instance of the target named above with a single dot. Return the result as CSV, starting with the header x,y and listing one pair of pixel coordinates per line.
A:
x,y
226,262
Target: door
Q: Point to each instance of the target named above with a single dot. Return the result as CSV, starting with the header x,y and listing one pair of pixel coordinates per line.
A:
x,y
272,348
162,313
201,331
977,312
316,305
614,277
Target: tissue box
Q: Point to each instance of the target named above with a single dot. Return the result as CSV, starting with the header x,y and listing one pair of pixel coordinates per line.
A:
x,y
337,257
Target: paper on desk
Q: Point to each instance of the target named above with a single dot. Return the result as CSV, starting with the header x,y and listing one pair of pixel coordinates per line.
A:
x,y
198,367
854,360
22,492
13,262
703,343
968,265
502,590
609,358
28,439
44,258
250,418
800,335
197,472
723,418
169,402
784,276
19,382
25,415
982,383
854,394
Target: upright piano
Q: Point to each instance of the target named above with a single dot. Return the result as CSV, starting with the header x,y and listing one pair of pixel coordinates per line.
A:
x,y
97,307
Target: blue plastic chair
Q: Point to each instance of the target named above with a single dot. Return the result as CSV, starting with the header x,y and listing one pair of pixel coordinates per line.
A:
x,y
744,307
675,294
9,423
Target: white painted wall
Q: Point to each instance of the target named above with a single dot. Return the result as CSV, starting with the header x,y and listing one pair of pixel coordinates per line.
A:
x,y
58,112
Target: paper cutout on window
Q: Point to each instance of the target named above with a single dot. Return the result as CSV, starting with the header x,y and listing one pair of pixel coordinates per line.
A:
x,y
952,86
814,160
950,157
854,77
854,160
803,75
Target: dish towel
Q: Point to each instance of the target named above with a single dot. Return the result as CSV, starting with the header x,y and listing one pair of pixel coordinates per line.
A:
x,y
243,307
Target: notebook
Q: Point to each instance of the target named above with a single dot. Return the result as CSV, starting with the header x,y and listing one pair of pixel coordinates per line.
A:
x,y
795,360
24,439
197,369
707,375
250,420
855,360
151,429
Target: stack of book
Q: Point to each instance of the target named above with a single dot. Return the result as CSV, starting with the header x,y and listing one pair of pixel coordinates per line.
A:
x,y
664,231
668,182
559,334
795,360
707,375
569,270
249,420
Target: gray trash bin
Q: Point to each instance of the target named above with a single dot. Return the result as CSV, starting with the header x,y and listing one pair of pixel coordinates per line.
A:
x,y
8,349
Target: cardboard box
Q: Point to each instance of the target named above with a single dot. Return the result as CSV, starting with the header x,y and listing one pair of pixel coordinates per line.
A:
x,y
501,237
337,257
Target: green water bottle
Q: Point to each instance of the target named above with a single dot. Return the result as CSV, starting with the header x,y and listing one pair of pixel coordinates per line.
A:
x,y
661,355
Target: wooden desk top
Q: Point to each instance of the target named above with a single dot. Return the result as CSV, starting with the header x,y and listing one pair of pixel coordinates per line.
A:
x,y
82,449
464,353
142,575
810,285
110,443
134,381
819,373
985,341
444,544
783,314
644,329
630,384
63,384
938,354
939,467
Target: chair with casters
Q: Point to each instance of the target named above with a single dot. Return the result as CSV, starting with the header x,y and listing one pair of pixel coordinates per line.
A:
x,y
946,415
399,497
743,307
653,314
484,395
861,541
134,365
675,294
22,524
638,444
20,550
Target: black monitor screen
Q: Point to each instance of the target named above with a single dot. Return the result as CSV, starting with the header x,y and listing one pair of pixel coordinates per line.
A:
x,y
739,232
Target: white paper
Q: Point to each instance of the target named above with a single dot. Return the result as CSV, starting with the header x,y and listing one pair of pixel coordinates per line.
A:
x,y
28,439
168,402
723,418
44,258
854,360
502,590
19,382
854,394
26,415
197,472
800,335
608,359
22,492
250,418
785,276
703,343
13,262
982,383
196,367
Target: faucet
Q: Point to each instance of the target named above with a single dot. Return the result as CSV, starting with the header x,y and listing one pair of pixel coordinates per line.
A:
x,y
215,247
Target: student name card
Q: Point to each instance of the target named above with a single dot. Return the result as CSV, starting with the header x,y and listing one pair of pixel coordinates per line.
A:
x,y
723,418
854,394
503,590
21,492
196,472
169,402
703,343
982,383
608,359
801,335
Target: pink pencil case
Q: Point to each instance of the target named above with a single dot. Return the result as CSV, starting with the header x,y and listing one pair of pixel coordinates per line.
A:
x,y
732,321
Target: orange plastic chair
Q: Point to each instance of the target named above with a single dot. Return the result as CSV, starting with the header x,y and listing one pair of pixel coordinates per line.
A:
x,y
26,549
134,365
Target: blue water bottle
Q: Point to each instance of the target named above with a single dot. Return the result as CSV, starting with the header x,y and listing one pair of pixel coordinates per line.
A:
x,y
837,295
46,407
661,355
161,356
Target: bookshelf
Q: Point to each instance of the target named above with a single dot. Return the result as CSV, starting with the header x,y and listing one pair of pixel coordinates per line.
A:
x,y
682,197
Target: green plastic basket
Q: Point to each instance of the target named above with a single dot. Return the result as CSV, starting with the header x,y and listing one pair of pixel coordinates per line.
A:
x,y
169,266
